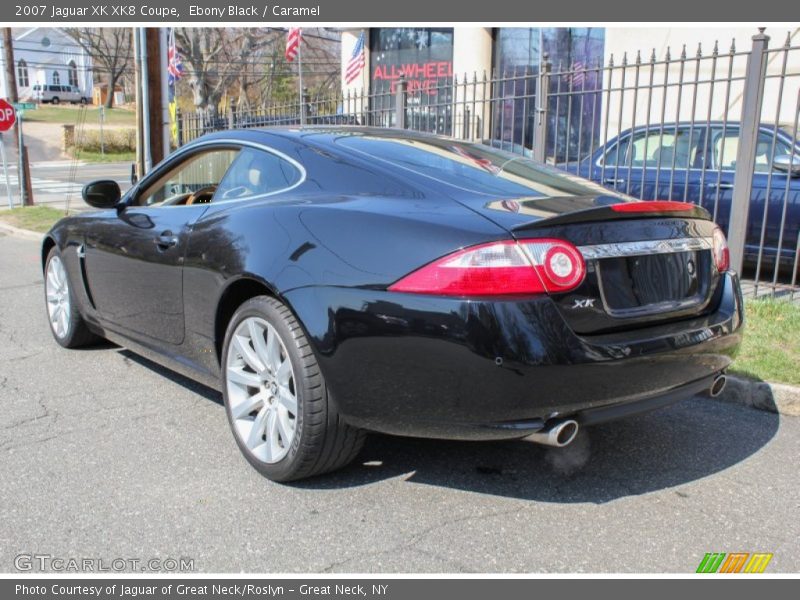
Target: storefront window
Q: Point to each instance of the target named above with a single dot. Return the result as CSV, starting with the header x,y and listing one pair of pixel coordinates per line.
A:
x,y
573,109
424,56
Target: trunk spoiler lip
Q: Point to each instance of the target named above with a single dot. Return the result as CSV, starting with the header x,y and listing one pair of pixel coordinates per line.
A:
x,y
607,212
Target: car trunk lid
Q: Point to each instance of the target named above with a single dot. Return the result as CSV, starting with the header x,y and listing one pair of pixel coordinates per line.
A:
x,y
646,263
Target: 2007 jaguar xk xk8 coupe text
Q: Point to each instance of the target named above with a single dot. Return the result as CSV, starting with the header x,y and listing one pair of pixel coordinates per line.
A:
x,y
334,280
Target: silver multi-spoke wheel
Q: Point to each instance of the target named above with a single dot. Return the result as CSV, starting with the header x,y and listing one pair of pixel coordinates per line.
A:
x,y
57,292
262,392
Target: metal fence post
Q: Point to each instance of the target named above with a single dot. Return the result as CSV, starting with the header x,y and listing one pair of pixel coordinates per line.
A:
x,y
746,152
305,100
540,125
400,103
231,119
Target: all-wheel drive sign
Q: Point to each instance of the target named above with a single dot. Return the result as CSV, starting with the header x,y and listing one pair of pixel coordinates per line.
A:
x,y
8,115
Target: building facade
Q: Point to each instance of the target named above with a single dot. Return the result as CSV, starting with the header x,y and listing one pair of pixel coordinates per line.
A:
x,y
432,59
48,56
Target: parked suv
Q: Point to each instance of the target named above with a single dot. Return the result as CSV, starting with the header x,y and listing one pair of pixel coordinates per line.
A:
x,y
56,94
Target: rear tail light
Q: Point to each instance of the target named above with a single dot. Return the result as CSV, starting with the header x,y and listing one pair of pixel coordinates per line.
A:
x,y
500,269
653,206
722,256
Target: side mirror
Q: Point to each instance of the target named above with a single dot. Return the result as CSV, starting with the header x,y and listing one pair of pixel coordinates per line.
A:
x,y
787,164
104,193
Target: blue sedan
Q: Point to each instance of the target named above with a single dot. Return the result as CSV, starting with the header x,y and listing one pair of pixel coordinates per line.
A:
x,y
695,162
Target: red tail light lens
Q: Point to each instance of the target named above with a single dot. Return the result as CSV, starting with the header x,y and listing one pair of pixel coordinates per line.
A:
x,y
722,256
500,269
653,206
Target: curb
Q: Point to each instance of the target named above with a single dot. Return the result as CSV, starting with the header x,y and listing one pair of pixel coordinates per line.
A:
x,y
771,397
23,233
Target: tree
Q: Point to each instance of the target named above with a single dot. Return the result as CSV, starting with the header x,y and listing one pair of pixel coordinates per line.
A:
x,y
215,59
248,64
110,49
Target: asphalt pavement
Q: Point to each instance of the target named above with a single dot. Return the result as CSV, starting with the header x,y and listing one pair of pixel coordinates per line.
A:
x,y
106,455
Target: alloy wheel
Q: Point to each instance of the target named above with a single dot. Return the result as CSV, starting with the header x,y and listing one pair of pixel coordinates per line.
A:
x,y
262,393
57,292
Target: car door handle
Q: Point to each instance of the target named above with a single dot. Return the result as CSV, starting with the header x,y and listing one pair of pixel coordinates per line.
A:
x,y
166,240
613,181
723,185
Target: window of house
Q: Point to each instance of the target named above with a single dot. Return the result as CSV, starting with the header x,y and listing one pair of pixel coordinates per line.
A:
x,y
56,78
22,73
73,73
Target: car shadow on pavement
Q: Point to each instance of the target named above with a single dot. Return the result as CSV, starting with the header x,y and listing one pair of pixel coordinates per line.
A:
x,y
190,384
662,449
669,447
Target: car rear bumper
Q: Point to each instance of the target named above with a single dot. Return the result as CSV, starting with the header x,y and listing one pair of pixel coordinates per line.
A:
x,y
440,367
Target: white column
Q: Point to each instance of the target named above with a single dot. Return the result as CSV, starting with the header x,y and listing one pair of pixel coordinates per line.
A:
x,y
472,57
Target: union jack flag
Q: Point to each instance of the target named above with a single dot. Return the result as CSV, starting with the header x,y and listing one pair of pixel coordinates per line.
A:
x,y
292,43
357,61
174,62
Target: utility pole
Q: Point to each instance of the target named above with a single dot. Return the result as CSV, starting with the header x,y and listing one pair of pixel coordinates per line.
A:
x,y
155,100
25,191
137,55
9,73
8,58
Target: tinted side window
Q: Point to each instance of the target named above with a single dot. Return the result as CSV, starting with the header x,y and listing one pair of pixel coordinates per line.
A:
x,y
256,173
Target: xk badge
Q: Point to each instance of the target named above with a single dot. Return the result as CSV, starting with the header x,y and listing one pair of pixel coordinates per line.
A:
x,y
583,303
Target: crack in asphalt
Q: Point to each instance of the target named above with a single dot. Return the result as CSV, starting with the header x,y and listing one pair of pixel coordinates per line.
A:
x,y
417,537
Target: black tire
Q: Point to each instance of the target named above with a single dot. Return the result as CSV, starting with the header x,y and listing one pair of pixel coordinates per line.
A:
x,y
84,101
55,100
77,332
323,442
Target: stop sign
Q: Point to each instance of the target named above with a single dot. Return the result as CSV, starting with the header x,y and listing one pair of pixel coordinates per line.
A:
x,y
8,115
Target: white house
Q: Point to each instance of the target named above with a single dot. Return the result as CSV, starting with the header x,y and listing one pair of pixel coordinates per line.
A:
x,y
47,56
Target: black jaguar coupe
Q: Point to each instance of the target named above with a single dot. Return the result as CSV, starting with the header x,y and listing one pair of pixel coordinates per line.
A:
x,y
331,281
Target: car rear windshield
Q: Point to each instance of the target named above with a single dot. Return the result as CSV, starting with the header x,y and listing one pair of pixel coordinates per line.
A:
x,y
472,168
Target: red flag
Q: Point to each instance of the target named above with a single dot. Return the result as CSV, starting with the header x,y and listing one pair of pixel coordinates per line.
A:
x,y
292,43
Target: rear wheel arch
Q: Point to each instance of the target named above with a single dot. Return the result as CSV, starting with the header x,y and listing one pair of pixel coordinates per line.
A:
x,y
235,294
47,245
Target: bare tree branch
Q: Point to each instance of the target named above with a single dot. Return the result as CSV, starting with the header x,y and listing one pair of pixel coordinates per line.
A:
x,y
110,48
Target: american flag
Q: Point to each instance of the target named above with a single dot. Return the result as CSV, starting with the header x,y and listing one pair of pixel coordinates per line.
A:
x,y
356,64
174,63
292,43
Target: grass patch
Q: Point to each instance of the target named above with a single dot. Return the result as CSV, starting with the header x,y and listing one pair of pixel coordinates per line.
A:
x,y
771,346
46,113
34,218
108,157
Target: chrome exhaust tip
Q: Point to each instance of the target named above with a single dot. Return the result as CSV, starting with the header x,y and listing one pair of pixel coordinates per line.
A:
x,y
559,434
718,386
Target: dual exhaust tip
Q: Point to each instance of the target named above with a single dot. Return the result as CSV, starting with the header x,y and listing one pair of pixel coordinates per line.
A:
x,y
563,432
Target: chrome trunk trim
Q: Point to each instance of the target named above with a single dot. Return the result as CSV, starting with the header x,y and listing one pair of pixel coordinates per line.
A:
x,y
645,247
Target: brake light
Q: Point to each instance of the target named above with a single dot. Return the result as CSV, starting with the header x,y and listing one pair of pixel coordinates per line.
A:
x,y
653,206
500,269
722,256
